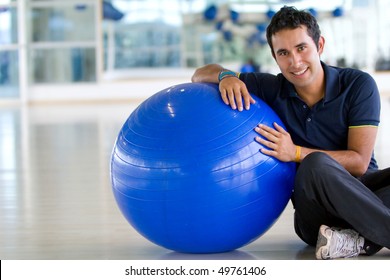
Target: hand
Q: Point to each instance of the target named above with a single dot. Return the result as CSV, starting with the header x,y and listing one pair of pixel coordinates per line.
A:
x,y
277,140
233,91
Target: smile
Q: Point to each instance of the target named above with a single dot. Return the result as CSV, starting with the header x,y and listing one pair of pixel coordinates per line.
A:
x,y
300,72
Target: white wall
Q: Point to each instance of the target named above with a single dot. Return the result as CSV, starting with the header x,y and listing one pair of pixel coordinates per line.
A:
x,y
143,84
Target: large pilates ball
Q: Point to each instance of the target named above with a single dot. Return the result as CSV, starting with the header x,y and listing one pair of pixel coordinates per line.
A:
x,y
187,174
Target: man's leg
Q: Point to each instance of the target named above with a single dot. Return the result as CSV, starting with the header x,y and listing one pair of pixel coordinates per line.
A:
x,y
325,193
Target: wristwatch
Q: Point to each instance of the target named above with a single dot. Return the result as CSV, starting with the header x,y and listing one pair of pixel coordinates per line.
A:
x,y
227,73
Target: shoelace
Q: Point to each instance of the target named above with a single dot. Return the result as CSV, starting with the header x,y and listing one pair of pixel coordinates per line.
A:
x,y
344,243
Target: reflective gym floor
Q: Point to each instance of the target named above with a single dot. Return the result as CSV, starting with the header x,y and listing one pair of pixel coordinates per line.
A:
x,y
55,194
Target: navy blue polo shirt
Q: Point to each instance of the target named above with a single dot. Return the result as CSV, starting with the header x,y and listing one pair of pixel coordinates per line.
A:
x,y
351,100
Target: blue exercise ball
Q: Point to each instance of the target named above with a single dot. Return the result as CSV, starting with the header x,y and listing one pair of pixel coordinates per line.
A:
x,y
187,174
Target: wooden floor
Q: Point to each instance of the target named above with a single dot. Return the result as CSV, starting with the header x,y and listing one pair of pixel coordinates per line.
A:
x,y
55,193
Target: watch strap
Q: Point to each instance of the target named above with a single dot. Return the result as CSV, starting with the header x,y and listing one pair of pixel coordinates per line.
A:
x,y
227,73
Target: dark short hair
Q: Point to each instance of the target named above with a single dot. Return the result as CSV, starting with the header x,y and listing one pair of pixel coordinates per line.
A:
x,y
291,18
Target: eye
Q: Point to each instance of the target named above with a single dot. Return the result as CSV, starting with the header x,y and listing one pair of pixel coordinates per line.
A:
x,y
282,53
301,48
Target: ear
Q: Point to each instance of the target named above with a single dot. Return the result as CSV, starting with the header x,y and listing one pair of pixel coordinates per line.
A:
x,y
321,43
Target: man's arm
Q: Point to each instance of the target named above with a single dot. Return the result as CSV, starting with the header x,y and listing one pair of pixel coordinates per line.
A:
x,y
233,90
207,74
355,159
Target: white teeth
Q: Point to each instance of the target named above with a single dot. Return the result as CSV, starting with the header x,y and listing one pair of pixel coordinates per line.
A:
x,y
299,73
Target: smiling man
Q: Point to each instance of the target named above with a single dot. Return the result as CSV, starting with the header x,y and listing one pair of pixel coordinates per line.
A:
x,y
341,198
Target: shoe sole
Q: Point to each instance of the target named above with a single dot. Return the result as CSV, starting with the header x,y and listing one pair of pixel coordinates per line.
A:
x,y
322,241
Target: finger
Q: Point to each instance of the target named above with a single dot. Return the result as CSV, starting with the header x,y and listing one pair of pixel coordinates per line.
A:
x,y
224,95
279,128
268,133
269,129
231,99
268,144
238,98
248,100
264,127
268,152
264,142
260,140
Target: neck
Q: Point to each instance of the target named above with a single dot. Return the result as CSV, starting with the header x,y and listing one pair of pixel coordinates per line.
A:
x,y
314,92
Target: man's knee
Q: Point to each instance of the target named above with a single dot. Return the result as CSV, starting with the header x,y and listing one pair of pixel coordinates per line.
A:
x,y
314,170
309,168
315,160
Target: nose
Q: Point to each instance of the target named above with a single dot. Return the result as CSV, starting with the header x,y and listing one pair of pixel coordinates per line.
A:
x,y
295,59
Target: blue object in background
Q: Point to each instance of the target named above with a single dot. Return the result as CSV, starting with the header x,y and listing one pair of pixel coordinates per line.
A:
x,y
77,64
210,13
338,12
187,174
110,12
313,12
270,13
227,35
235,16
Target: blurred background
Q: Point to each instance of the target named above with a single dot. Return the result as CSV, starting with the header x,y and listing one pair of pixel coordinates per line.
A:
x,y
56,50
71,72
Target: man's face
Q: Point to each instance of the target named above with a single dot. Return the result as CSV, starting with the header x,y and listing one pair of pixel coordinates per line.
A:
x,y
298,57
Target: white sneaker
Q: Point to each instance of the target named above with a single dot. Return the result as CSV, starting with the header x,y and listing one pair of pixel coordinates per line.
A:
x,y
335,243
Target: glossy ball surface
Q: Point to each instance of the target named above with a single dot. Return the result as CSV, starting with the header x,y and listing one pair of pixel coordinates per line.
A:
x,y
187,174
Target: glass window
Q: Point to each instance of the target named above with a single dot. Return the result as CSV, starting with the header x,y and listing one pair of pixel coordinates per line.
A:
x,y
9,74
7,1
65,23
63,40
10,150
146,45
142,33
63,65
8,25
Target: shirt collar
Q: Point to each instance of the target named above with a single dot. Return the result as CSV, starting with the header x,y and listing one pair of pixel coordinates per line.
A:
x,y
332,82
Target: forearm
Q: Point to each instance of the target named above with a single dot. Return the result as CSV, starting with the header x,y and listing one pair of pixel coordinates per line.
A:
x,y
207,74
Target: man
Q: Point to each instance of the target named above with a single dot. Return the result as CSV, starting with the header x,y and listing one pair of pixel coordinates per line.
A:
x,y
340,197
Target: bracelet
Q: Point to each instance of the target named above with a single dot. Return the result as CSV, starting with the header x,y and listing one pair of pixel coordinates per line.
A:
x,y
227,73
298,153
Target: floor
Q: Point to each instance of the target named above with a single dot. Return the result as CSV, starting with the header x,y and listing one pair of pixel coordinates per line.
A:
x,y
55,194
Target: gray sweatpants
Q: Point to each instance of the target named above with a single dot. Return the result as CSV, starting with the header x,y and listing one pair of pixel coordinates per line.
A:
x,y
325,193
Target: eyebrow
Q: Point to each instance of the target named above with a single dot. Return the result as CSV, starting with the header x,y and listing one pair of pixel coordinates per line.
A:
x,y
301,45
296,46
